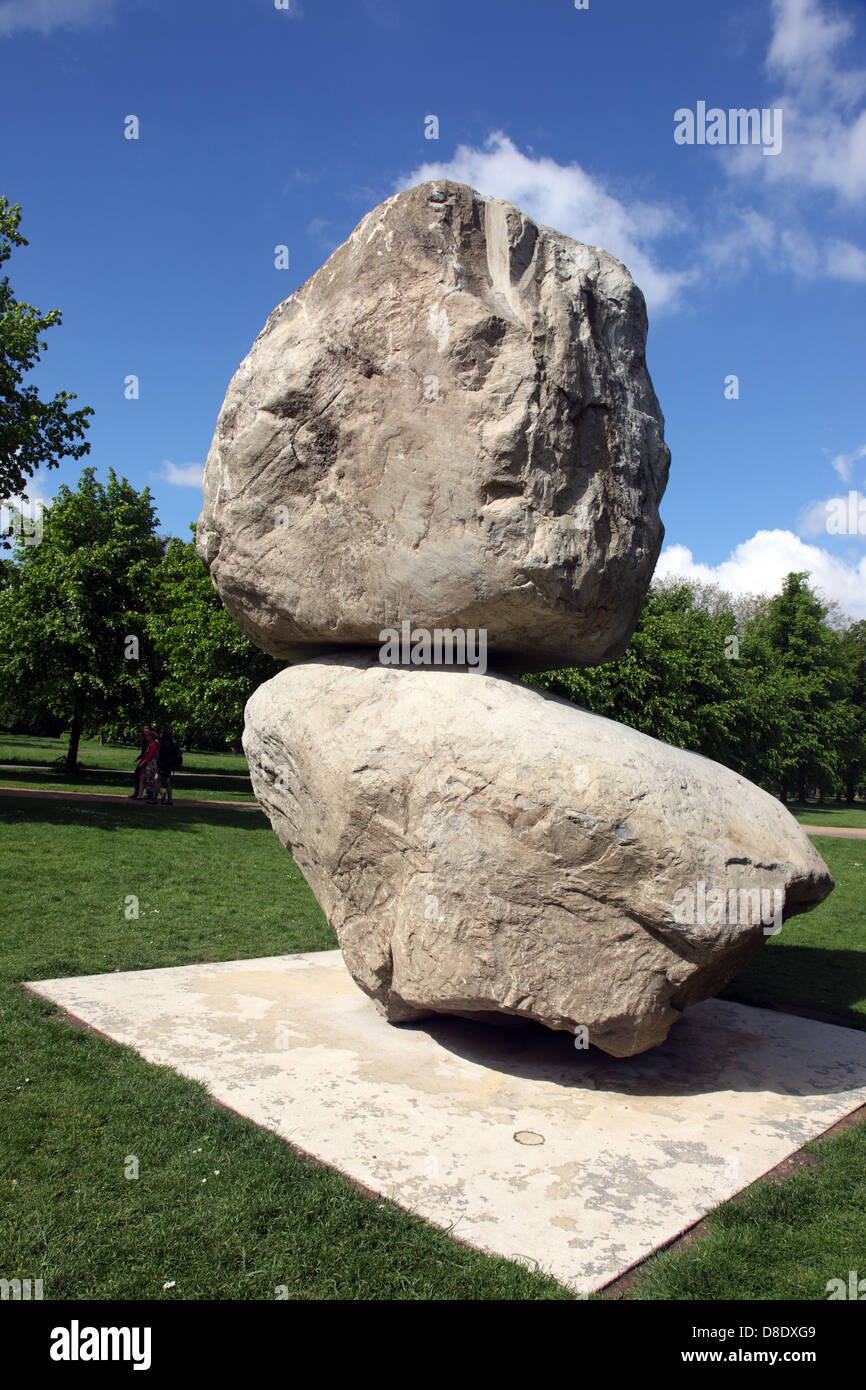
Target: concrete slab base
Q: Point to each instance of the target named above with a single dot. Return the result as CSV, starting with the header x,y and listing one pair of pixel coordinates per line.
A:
x,y
571,1161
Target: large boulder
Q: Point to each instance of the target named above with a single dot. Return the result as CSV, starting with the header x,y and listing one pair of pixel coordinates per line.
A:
x,y
452,423
482,848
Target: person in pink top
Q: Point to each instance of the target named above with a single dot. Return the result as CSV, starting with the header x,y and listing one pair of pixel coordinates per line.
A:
x,y
149,768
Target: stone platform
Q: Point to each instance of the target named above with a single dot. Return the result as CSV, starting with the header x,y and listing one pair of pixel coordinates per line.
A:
x,y
573,1161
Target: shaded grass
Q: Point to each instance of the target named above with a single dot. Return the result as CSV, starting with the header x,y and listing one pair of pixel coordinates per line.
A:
x,y
830,814
818,960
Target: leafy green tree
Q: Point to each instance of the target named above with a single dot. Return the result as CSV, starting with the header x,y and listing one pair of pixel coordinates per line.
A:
x,y
773,688
810,671
33,433
678,680
73,630
208,668
853,642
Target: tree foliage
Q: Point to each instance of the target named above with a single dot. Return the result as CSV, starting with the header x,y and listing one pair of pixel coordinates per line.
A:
x,y
206,668
73,602
771,687
34,433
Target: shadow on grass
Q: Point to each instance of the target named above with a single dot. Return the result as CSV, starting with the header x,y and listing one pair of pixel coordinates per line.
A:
x,y
148,816
828,983
108,778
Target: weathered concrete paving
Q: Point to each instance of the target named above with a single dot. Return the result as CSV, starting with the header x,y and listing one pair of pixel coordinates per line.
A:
x,y
573,1160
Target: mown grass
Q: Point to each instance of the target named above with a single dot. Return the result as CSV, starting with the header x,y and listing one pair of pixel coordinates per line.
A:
x,y
223,1210
830,813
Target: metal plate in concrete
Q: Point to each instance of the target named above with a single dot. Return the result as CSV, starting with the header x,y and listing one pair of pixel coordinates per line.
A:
x,y
573,1161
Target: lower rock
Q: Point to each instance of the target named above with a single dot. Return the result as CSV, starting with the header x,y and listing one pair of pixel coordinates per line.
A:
x,y
481,848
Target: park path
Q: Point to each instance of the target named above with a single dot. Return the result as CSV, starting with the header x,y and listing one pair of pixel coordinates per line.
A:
x,y
843,832
120,799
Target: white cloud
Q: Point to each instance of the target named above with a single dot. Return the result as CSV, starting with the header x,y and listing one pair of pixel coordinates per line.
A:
x,y
44,16
844,463
823,149
759,565
825,133
187,475
566,197
846,261
805,38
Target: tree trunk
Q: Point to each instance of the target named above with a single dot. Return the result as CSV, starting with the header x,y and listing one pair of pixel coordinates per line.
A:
x,y
801,787
75,734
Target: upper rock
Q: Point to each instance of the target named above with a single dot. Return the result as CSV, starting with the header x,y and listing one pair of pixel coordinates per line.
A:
x,y
451,422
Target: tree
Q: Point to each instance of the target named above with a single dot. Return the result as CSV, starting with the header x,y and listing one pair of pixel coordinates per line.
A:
x,y
810,669
73,631
676,681
774,688
853,642
207,667
33,433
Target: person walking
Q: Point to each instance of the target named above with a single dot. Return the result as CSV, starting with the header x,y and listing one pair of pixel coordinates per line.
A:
x,y
147,736
168,759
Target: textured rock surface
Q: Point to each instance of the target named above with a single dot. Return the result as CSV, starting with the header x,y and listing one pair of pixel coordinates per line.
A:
x,y
456,418
478,846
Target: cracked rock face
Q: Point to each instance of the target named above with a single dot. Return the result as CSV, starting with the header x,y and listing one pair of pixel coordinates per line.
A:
x,y
451,423
480,847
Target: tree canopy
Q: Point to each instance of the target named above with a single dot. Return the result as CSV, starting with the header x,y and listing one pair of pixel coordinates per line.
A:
x,y
105,624
34,433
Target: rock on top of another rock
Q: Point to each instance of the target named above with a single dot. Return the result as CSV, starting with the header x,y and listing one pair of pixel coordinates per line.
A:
x,y
452,423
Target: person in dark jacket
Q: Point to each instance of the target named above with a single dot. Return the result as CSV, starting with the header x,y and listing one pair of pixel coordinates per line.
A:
x,y
166,762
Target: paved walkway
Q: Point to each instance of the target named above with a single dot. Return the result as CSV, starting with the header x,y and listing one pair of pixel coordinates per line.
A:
x,y
844,832
120,799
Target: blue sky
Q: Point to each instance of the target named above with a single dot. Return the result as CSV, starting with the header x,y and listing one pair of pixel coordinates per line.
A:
x,y
262,126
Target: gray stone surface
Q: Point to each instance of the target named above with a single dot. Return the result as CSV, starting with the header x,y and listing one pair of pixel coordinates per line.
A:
x,y
480,847
450,422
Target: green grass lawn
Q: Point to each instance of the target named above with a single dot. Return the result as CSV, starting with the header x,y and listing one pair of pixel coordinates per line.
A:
x,y
38,762
216,885
830,814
